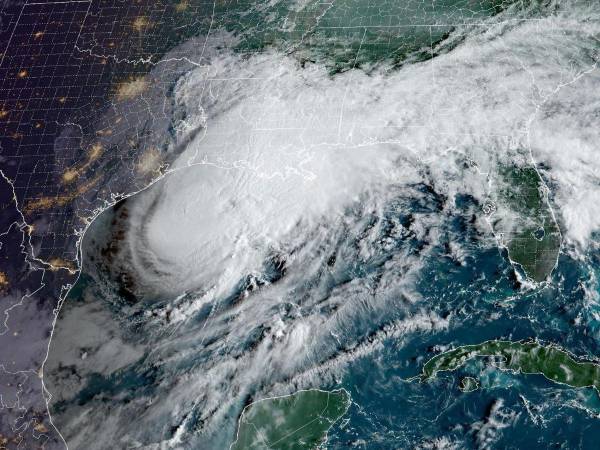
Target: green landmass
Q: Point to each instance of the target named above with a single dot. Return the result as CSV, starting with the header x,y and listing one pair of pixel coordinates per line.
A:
x,y
525,221
295,422
354,33
468,384
519,357
340,35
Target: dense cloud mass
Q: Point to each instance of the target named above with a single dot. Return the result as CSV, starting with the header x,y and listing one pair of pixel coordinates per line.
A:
x,y
270,256
286,146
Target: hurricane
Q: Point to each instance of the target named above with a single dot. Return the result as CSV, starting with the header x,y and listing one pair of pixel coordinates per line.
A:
x,y
326,228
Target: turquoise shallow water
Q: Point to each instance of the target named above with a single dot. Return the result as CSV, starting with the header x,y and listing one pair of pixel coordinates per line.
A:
x,y
392,413
357,301
403,414
477,295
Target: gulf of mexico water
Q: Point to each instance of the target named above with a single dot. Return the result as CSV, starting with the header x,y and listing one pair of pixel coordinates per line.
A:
x,y
465,292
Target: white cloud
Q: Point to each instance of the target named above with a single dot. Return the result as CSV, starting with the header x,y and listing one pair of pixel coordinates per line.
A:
x,y
293,162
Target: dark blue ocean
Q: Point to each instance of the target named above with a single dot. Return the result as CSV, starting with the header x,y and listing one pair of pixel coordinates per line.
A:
x,y
486,301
